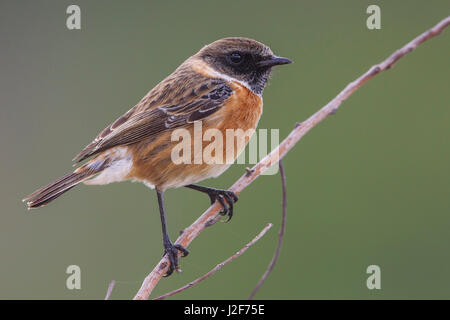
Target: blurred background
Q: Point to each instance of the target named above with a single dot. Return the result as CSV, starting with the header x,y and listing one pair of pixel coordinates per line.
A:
x,y
368,186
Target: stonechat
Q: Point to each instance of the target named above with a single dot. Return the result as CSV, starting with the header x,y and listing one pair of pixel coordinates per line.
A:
x,y
221,86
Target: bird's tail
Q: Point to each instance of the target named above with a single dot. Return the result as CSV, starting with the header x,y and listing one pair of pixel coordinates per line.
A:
x,y
46,194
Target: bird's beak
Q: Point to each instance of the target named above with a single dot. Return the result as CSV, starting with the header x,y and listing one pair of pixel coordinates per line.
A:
x,y
274,61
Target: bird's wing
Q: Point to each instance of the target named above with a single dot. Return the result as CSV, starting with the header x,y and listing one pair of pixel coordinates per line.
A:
x,y
154,115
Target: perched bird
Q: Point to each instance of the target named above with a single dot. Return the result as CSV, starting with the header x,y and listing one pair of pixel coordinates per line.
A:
x,y
221,86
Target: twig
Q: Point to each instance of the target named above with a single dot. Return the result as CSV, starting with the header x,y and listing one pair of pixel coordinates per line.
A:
x,y
286,145
280,236
110,289
219,266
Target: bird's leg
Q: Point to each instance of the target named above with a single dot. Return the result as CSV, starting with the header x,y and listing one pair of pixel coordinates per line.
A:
x,y
169,248
221,196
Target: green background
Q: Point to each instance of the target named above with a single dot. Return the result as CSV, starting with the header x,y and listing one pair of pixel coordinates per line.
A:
x,y
369,185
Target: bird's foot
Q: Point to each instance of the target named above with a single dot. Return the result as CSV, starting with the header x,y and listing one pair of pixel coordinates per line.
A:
x,y
226,198
172,253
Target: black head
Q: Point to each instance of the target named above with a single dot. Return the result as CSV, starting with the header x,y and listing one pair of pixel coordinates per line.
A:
x,y
243,59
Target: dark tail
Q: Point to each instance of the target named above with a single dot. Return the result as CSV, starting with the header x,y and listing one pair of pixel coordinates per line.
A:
x,y
46,194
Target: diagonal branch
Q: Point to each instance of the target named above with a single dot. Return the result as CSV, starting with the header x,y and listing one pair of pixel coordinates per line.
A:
x,y
110,289
219,266
286,145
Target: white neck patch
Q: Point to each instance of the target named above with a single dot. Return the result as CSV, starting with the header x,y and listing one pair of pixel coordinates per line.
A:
x,y
213,73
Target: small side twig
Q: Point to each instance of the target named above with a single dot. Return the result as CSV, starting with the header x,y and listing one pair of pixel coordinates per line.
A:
x,y
218,267
280,236
110,289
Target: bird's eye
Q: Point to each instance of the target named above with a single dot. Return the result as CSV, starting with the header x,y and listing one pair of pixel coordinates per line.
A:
x,y
236,58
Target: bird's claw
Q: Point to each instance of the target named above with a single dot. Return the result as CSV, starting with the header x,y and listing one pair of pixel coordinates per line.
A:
x,y
172,253
226,199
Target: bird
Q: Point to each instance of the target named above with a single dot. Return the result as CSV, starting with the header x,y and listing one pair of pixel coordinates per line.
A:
x,y
220,87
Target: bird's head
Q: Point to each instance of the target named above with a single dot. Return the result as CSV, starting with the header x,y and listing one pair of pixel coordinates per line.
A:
x,y
242,59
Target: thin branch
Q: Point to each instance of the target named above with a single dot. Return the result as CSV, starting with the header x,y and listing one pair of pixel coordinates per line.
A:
x,y
219,266
286,145
280,236
110,289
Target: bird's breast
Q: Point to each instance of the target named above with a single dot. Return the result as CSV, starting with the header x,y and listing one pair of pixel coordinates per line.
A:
x,y
233,123
237,119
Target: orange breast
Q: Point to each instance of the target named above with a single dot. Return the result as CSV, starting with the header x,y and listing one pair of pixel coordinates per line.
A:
x,y
152,159
243,109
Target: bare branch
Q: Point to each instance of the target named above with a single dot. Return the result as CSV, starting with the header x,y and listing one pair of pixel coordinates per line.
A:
x,y
280,236
286,145
219,266
110,289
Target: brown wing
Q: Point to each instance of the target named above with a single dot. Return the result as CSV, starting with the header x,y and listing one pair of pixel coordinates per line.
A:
x,y
179,106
